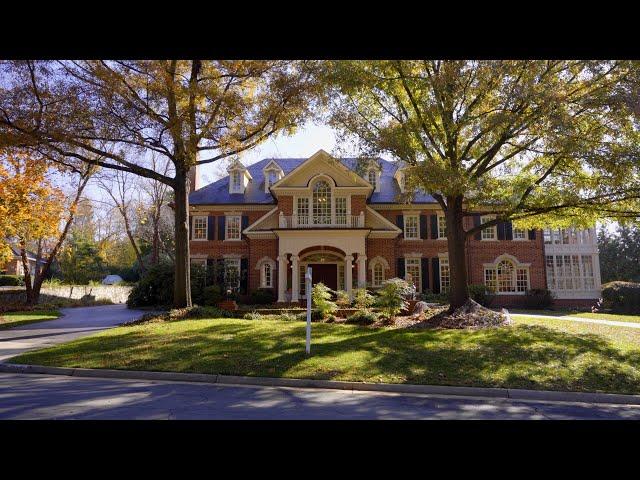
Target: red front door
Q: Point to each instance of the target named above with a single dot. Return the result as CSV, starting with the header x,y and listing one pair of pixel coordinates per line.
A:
x,y
326,273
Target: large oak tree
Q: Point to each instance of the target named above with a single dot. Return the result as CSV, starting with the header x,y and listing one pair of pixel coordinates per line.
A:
x,y
117,113
535,142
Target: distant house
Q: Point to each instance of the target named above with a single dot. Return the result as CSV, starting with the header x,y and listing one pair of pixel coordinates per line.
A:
x,y
14,265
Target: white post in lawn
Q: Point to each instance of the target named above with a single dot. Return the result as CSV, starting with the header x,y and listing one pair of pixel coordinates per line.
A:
x,y
307,289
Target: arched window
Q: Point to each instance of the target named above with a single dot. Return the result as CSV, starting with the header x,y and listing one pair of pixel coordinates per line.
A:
x,y
378,274
322,203
266,276
504,273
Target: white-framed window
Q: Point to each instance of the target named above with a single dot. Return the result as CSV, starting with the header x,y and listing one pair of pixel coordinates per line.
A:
x,y
377,276
519,234
570,272
445,275
232,273
489,233
267,275
321,199
411,227
233,227
302,209
506,278
442,227
412,272
372,178
236,181
341,210
200,228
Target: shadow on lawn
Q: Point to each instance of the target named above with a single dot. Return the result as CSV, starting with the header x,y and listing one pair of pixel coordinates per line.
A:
x,y
523,356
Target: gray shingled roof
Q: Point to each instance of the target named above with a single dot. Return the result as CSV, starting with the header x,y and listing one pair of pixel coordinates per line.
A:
x,y
217,193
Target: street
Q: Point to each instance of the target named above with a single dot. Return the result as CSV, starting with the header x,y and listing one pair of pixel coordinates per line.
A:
x,y
32,396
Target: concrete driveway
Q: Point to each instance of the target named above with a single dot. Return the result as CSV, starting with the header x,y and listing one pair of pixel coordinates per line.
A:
x,y
74,323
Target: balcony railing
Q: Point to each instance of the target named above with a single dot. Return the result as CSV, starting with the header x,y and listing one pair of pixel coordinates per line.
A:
x,y
321,221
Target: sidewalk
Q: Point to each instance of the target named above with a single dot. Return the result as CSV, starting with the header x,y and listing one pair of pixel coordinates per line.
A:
x,y
612,323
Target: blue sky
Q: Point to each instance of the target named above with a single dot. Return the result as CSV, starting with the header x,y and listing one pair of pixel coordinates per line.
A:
x,y
305,142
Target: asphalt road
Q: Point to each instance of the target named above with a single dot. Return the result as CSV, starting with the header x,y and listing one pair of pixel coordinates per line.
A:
x,y
31,396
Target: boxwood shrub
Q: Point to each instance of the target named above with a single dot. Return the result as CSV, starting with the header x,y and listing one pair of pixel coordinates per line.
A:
x,y
621,297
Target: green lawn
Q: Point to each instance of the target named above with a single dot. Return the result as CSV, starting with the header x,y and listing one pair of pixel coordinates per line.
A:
x,y
15,319
596,316
534,353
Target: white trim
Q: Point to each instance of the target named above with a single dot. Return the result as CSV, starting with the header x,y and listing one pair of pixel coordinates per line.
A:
x,y
404,222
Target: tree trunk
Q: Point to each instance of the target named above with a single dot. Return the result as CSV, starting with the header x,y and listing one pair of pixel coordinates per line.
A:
x,y
27,275
456,243
182,284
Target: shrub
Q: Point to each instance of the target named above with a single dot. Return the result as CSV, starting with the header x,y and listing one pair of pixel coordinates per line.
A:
x,y
321,296
363,317
362,298
252,316
621,297
342,299
430,297
538,298
11,281
155,288
212,295
262,296
391,296
481,294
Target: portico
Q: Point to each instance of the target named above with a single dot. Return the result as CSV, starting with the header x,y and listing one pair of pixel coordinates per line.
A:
x,y
335,249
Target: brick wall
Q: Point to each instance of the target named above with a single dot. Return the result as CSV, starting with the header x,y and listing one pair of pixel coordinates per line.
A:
x,y
358,204
285,204
259,248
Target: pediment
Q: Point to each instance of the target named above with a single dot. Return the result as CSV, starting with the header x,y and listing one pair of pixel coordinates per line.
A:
x,y
320,163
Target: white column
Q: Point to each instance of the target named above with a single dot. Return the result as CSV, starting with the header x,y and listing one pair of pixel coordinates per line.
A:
x,y
282,277
295,278
362,272
348,273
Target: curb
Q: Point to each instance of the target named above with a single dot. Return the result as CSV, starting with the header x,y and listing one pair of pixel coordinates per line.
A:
x,y
500,393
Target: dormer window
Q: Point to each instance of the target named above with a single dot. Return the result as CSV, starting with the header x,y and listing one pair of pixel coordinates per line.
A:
x,y
236,180
239,177
372,177
272,173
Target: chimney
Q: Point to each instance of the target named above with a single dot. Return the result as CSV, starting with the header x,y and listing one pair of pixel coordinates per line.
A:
x,y
195,177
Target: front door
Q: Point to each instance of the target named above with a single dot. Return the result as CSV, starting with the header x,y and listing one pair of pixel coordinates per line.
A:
x,y
326,273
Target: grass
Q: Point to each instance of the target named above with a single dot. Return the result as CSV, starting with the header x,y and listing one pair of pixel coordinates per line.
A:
x,y
618,317
15,319
533,354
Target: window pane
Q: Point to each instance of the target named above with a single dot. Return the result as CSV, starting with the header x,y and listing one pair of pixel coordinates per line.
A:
x,y
341,210
489,233
200,228
442,227
372,177
412,272
519,234
233,228
445,277
505,277
378,274
490,278
411,226
232,273
322,203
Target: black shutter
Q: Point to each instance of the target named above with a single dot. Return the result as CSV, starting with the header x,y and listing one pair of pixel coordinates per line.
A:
x,y
244,275
211,228
190,227
400,272
435,267
211,271
221,221
501,230
476,222
508,231
219,273
400,222
424,263
423,227
532,234
434,226
245,224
